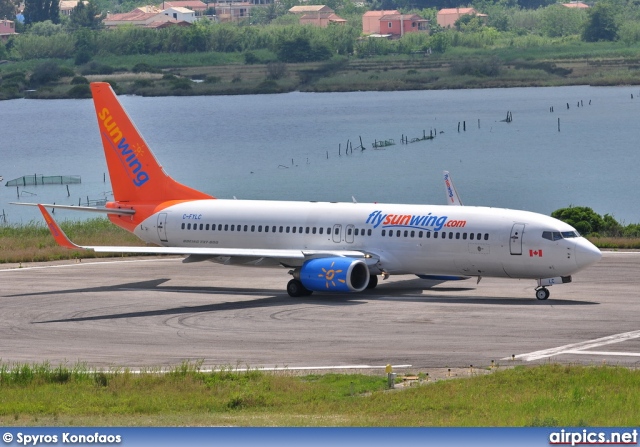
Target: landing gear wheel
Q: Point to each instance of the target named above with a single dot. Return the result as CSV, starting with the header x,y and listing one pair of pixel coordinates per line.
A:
x,y
542,293
296,289
373,282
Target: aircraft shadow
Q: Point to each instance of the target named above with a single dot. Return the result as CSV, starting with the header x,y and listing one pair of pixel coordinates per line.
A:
x,y
398,291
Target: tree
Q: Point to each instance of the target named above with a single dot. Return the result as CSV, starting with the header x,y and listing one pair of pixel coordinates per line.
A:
x,y
582,218
7,10
86,16
601,24
41,10
559,21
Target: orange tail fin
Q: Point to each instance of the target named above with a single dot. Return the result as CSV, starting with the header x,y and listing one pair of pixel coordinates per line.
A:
x,y
136,175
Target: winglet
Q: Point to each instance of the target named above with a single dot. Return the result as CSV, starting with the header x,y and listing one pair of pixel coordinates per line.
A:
x,y
56,231
452,194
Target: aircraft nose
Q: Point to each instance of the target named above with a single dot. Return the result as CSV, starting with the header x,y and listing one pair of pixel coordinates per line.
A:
x,y
586,254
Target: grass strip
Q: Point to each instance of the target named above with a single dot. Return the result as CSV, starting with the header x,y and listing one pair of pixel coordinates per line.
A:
x,y
548,395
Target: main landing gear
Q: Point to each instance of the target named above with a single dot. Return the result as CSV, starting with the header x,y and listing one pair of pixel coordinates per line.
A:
x,y
296,289
542,293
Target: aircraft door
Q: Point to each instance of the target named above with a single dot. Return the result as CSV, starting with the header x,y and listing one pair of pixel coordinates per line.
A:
x,y
162,227
348,235
336,233
515,242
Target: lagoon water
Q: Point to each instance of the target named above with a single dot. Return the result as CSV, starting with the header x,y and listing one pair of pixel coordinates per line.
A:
x,y
286,147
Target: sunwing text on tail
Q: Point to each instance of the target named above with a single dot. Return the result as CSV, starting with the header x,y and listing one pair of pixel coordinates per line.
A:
x,y
328,247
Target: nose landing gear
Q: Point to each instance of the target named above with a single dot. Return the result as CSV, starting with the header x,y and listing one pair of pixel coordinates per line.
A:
x,y
542,293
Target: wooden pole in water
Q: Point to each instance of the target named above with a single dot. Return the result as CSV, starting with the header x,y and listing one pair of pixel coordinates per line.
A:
x,y
68,193
558,124
464,126
458,126
478,123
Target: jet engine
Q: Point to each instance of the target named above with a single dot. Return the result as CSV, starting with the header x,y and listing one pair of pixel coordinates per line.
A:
x,y
334,275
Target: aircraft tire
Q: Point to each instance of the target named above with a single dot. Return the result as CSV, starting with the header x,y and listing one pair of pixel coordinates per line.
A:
x,y
542,293
373,282
296,289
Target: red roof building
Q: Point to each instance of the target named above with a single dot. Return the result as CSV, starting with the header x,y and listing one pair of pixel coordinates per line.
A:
x,y
371,21
448,17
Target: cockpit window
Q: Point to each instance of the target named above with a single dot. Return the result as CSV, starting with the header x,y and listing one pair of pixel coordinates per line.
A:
x,y
552,235
557,235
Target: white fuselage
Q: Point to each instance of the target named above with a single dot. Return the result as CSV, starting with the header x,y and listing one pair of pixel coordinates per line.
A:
x,y
403,239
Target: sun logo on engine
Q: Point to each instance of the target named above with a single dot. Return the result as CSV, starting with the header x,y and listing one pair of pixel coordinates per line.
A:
x,y
330,275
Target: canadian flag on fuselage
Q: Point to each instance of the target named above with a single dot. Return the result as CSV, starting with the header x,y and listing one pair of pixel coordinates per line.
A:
x,y
537,253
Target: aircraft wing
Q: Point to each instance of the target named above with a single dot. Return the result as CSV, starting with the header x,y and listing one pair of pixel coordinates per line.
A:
x,y
62,240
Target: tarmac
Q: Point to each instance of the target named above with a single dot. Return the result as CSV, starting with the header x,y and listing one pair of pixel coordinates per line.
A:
x,y
159,312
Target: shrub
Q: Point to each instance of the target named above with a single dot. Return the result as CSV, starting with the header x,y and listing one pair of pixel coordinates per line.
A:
x,y
144,68
79,91
78,80
251,58
45,73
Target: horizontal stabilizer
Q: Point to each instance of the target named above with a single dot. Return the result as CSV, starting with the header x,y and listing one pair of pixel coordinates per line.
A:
x,y
91,209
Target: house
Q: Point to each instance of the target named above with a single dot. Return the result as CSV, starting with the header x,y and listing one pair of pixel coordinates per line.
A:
x,y
400,24
7,29
200,8
66,6
136,18
232,11
576,5
321,19
310,9
180,14
371,21
447,17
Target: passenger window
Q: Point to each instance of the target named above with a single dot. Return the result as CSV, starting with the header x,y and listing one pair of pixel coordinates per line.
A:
x,y
419,233
306,230
266,228
435,235
233,228
320,230
406,233
273,229
282,229
188,226
457,235
313,230
464,236
451,235
471,236
479,236
288,228
486,237
183,225
226,227
253,228
300,229
384,232
329,230
369,232
259,228
294,229
413,233
206,227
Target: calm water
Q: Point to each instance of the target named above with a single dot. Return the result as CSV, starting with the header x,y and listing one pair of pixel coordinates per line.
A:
x,y
275,147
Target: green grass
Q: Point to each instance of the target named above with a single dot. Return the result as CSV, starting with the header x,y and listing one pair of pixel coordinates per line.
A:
x,y
33,242
549,395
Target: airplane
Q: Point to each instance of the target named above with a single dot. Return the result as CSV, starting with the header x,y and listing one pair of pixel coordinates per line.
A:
x,y
327,247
